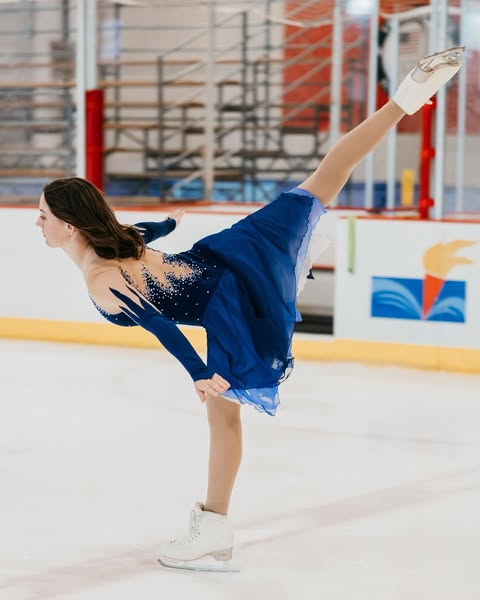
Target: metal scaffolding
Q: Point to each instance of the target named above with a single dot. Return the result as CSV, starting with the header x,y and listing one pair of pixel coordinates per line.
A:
x,y
248,97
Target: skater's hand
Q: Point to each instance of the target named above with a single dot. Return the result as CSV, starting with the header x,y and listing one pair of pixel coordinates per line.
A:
x,y
177,216
215,386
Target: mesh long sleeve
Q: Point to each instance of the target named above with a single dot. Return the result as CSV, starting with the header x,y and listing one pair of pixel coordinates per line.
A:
x,y
166,331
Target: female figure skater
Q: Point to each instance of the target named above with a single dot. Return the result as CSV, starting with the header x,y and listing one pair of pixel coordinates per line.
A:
x,y
239,284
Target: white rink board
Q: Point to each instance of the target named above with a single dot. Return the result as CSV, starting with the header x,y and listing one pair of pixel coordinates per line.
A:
x,y
395,250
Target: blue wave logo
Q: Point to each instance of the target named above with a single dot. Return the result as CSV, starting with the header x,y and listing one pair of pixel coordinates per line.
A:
x,y
397,298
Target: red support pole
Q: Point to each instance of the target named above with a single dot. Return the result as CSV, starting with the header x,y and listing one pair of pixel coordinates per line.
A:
x,y
427,153
94,105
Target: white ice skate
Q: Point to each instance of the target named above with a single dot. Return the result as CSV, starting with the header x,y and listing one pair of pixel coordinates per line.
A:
x,y
207,546
426,78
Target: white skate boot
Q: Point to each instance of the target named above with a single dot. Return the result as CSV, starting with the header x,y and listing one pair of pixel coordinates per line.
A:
x,y
207,546
426,78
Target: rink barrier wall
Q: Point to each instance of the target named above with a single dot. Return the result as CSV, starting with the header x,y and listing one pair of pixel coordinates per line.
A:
x,y
462,360
45,298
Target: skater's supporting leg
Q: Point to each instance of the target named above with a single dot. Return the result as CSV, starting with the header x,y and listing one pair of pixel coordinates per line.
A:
x,y
334,170
225,452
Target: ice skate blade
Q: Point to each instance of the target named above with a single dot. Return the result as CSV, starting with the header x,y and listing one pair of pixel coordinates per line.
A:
x,y
206,563
439,60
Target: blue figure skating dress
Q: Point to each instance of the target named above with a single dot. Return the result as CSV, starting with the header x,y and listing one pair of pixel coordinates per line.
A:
x,y
239,284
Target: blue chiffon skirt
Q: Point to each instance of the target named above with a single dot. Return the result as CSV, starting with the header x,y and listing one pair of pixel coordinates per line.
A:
x,y
250,319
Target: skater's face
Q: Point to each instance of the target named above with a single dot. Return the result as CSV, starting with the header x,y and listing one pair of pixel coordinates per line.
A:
x,y
55,231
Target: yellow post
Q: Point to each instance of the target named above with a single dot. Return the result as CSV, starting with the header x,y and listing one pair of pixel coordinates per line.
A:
x,y
407,187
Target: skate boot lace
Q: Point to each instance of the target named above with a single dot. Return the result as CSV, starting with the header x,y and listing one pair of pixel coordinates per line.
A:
x,y
194,529
195,520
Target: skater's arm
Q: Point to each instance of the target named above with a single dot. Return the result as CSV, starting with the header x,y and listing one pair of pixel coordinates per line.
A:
x,y
335,169
151,231
164,329
114,296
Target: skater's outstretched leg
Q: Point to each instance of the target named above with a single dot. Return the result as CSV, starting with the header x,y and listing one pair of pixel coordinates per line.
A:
x,y
423,81
335,169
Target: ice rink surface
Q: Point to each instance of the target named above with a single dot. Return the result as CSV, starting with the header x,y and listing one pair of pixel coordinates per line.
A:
x,y
365,486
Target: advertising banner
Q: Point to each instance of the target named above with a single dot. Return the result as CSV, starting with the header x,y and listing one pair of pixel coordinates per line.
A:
x,y
412,282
